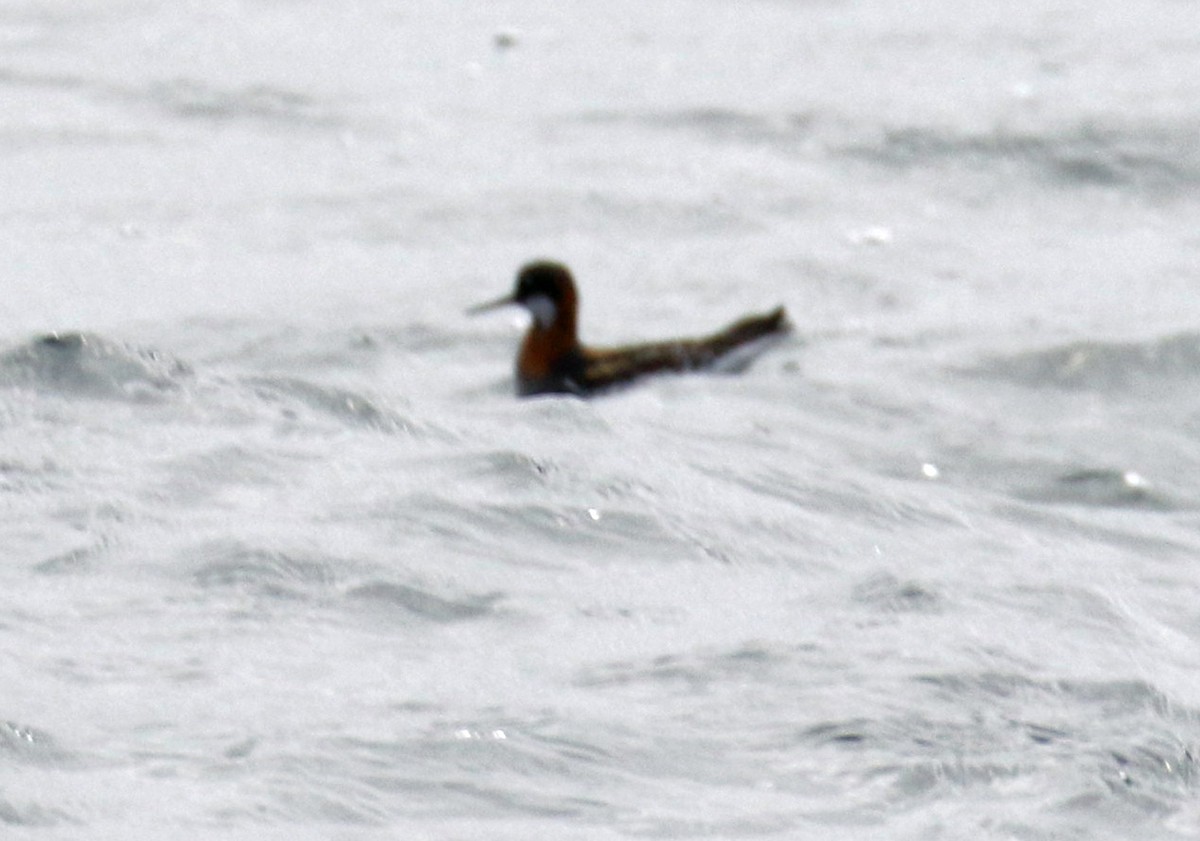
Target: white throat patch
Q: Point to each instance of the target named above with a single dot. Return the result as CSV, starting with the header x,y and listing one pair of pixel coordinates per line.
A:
x,y
542,309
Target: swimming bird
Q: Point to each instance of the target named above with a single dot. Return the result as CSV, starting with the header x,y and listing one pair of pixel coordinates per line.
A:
x,y
552,360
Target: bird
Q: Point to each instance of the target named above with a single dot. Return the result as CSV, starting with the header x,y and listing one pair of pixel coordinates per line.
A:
x,y
553,361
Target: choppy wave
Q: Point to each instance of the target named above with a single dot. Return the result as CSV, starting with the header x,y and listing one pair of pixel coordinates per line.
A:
x,y
36,753
335,580
1148,158
87,365
28,745
194,99
282,575
1108,745
1106,488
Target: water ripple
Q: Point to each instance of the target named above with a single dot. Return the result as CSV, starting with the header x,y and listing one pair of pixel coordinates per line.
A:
x,y
196,99
1105,366
421,603
713,123
341,404
1150,160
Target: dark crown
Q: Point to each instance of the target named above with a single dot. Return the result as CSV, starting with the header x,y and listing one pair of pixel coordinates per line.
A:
x,y
544,277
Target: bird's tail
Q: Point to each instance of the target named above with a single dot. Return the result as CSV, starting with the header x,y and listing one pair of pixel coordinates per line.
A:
x,y
749,329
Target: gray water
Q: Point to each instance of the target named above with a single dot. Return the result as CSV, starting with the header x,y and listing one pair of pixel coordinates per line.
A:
x,y
282,556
